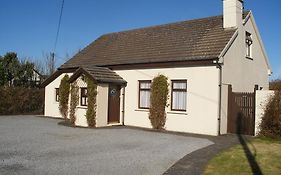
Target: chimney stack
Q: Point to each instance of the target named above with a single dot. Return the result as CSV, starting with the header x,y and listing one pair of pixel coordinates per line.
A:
x,y
232,13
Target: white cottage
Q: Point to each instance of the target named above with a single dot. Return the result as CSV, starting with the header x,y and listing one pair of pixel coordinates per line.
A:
x,y
201,58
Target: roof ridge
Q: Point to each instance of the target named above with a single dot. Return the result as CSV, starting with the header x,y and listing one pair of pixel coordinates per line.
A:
x,y
167,24
160,25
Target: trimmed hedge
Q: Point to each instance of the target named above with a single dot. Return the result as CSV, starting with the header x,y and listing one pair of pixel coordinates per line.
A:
x,y
21,100
158,101
92,99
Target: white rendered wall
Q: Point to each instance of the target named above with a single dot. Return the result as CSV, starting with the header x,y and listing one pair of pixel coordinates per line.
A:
x,y
262,98
202,99
224,107
102,105
241,72
51,106
81,119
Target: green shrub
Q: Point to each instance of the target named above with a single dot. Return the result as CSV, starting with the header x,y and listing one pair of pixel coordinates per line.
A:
x,y
74,99
92,98
158,101
271,122
64,96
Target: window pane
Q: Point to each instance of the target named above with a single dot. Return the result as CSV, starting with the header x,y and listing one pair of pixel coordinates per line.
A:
x,y
144,99
179,85
84,98
84,92
86,101
145,85
179,100
248,50
57,94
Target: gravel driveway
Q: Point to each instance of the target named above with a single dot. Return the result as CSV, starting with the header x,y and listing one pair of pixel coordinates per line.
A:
x,y
34,145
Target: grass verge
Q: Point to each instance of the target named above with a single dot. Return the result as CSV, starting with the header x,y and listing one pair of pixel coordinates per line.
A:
x,y
265,152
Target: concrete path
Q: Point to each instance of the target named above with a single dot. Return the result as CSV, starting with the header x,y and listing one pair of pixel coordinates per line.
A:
x,y
33,145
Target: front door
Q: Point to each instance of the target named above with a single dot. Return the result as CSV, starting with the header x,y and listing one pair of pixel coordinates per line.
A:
x,y
113,103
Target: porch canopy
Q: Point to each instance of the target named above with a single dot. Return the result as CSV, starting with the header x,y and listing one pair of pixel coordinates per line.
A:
x,y
99,75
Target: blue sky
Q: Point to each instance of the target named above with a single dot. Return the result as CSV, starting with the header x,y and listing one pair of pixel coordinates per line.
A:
x,y
29,27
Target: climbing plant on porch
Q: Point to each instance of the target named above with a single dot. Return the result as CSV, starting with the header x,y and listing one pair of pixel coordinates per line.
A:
x,y
158,101
64,96
92,100
74,99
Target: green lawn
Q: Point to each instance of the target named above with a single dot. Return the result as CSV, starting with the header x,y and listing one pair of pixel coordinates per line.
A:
x,y
264,152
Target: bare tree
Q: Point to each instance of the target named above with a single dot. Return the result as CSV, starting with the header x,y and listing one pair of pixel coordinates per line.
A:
x,y
49,63
39,66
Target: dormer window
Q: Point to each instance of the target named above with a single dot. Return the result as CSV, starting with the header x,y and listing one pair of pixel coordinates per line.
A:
x,y
249,43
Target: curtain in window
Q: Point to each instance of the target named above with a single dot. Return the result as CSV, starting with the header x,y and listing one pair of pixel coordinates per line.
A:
x,y
144,99
179,100
145,85
180,85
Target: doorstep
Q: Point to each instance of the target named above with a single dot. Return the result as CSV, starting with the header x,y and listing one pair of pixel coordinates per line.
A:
x,y
114,124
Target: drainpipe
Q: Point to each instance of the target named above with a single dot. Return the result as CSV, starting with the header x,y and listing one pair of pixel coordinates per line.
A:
x,y
123,106
220,95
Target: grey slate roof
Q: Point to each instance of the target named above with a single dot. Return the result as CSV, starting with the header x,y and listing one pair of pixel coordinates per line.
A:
x,y
99,74
199,39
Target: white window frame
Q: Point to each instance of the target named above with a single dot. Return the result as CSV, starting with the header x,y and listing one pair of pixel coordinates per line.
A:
x,y
249,44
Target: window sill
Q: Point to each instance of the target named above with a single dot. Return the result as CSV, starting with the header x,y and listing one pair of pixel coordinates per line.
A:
x,y
177,112
169,112
142,110
82,107
250,58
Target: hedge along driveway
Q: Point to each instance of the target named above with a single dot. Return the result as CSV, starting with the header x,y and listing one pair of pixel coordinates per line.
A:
x,y
33,145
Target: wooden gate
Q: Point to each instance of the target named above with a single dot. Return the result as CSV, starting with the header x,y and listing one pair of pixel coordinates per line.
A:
x,y
241,112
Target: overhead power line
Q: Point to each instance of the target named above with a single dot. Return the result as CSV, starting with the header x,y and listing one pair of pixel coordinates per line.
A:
x,y
58,29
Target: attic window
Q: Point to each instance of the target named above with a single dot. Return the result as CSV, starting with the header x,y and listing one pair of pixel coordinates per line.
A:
x,y
249,43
